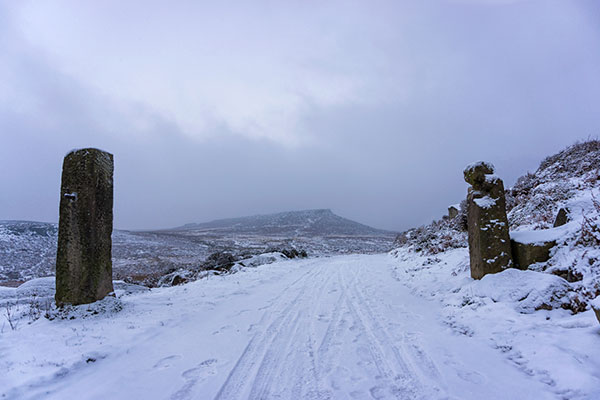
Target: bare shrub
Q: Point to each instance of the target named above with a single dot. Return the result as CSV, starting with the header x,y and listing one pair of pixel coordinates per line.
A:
x,y
536,197
10,313
438,236
590,226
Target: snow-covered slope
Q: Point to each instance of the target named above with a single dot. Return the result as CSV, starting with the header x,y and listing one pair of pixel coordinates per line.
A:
x,y
292,223
569,179
335,328
535,199
517,313
541,318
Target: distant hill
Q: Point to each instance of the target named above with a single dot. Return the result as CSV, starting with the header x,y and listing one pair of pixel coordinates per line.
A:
x,y
321,222
28,249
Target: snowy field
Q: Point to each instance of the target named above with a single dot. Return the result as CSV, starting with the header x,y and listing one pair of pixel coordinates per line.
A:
x,y
332,328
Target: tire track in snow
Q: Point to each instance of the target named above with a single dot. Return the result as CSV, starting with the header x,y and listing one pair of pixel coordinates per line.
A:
x,y
291,353
400,379
325,356
306,382
254,360
412,360
413,353
286,359
276,352
245,366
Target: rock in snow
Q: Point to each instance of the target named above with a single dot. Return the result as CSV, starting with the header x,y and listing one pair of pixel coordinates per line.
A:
x,y
596,307
527,290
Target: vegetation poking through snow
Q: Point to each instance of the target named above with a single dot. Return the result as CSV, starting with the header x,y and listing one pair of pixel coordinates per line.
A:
x,y
535,199
590,226
222,263
439,236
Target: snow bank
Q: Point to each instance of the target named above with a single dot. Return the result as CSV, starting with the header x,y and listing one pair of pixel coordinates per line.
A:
x,y
545,235
42,287
556,347
526,291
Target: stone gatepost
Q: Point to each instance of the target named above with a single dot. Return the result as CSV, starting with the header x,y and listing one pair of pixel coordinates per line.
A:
x,y
83,259
489,240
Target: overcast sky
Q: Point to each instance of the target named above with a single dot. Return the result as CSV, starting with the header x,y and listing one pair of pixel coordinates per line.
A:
x,y
223,109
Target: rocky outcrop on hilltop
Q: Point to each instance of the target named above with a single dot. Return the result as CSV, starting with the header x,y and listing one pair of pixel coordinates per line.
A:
x,y
321,222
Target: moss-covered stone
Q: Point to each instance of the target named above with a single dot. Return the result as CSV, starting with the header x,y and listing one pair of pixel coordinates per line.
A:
x,y
475,174
83,259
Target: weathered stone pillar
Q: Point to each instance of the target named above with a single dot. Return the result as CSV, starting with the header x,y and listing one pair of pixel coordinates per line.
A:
x,y
489,241
453,211
83,259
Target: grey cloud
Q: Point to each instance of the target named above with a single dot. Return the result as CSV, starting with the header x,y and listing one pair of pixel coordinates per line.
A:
x,y
431,90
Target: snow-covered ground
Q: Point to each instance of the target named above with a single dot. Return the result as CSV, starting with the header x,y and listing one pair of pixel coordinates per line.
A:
x,y
516,312
328,328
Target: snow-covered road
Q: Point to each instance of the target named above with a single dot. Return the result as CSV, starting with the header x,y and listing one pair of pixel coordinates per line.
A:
x,y
330,328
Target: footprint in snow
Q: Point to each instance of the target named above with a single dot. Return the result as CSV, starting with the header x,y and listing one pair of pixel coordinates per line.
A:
x,y
166,362
223,328
464,374
377,392
471,376
194,375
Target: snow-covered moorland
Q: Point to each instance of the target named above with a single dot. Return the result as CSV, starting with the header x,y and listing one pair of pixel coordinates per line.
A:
x,y
410,324
28,249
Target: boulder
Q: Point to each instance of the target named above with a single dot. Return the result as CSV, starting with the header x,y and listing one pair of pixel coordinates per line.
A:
x,y
220,261
489,241
527,291
530,247
525,254
475,173
562,217
175,278
596,307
